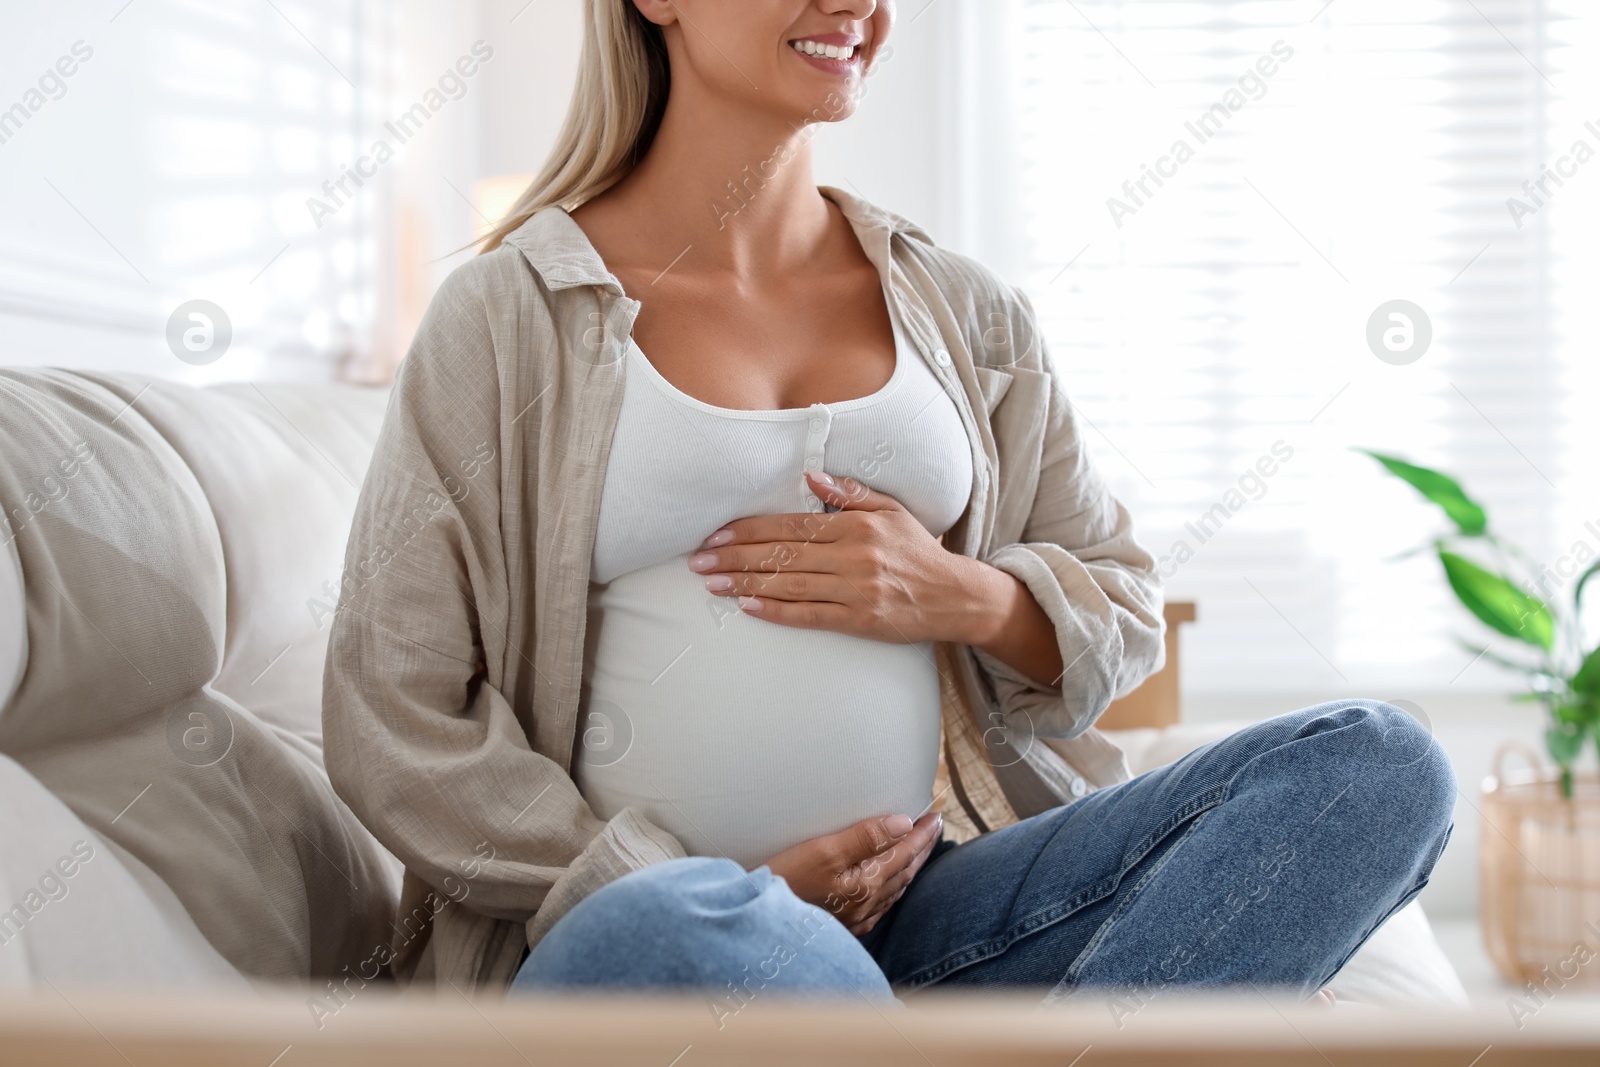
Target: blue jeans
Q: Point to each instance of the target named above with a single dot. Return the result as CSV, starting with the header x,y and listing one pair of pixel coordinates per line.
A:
x,y
1266,857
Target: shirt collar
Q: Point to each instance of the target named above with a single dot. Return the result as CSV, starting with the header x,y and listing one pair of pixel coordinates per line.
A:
x,y
559,250
866,214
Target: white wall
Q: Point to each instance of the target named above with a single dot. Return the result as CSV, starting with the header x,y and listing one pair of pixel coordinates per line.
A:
x,y
528,89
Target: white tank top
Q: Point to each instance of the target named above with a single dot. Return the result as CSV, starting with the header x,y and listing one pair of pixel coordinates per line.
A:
x,y
739,736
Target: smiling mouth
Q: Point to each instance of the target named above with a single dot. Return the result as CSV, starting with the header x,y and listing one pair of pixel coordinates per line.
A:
x,y
839,53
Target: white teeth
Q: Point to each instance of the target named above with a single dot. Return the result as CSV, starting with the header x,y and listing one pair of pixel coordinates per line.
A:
x,y
825,51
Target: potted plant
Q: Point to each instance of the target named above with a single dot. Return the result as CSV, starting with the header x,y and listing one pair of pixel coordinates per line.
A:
x,y
1540,836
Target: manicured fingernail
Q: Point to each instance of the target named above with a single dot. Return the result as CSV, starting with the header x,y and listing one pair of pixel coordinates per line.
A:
x,y
719,583
825,479
750,604
897,825
703,562
716,540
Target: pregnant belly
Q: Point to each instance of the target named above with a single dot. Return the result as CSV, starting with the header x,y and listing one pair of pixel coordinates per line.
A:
x,y
742,737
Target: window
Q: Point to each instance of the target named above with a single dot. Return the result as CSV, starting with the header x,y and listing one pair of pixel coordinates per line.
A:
x,y
182,159
1216,198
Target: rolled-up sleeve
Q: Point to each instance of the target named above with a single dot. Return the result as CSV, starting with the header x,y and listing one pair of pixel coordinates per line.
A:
x,y
1078,557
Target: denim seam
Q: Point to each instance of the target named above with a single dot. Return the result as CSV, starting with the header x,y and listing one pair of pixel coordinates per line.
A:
x,y
1077,965
977,953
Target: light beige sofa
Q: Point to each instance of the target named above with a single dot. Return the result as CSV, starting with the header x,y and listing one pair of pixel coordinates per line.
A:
x,y
160,683
169,567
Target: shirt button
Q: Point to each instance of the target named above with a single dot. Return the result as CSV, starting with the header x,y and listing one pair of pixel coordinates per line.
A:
x,y
1079,787
813,463
942,358
816,425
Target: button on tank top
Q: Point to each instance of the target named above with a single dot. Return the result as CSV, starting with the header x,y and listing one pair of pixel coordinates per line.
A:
x,y
740,736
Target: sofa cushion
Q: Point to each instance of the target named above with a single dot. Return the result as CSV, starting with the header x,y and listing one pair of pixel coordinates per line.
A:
x,y
118,713
13,619
1401,965
281,466
78,910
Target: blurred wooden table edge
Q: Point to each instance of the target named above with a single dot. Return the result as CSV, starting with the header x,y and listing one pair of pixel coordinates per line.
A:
x,y
373,1025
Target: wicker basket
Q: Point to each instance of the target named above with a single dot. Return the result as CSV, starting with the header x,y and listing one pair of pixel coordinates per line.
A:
x,y
1540,857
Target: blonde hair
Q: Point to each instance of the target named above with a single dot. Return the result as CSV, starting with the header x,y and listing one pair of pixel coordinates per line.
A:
x,y
621,93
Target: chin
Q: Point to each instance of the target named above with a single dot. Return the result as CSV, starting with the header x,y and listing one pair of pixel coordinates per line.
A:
x,y
814,104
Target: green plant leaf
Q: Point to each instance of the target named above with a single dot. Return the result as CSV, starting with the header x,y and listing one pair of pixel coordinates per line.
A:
x,y
1440,489
1587,680
1428,546
1567,713
1564,742
1583,580
1532,670
1498,604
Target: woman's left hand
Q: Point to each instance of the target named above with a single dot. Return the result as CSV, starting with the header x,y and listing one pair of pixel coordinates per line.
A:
x,y
868,570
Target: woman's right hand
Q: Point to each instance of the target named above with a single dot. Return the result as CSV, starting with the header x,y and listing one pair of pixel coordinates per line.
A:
x,y
858,873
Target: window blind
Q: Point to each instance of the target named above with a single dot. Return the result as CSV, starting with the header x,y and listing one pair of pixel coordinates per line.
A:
x,y
177,166
1217,198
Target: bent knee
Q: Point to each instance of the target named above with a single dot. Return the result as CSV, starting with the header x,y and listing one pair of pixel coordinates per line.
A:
x,y
690,888
1396,753
679,915
700,922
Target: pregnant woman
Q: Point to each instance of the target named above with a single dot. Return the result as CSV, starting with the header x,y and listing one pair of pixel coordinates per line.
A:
x,y
730,600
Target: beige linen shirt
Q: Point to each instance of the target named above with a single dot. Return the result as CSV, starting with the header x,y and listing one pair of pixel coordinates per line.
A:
x,y
452,688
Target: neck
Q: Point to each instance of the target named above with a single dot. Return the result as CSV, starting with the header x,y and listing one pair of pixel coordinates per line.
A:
x,y
737,187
